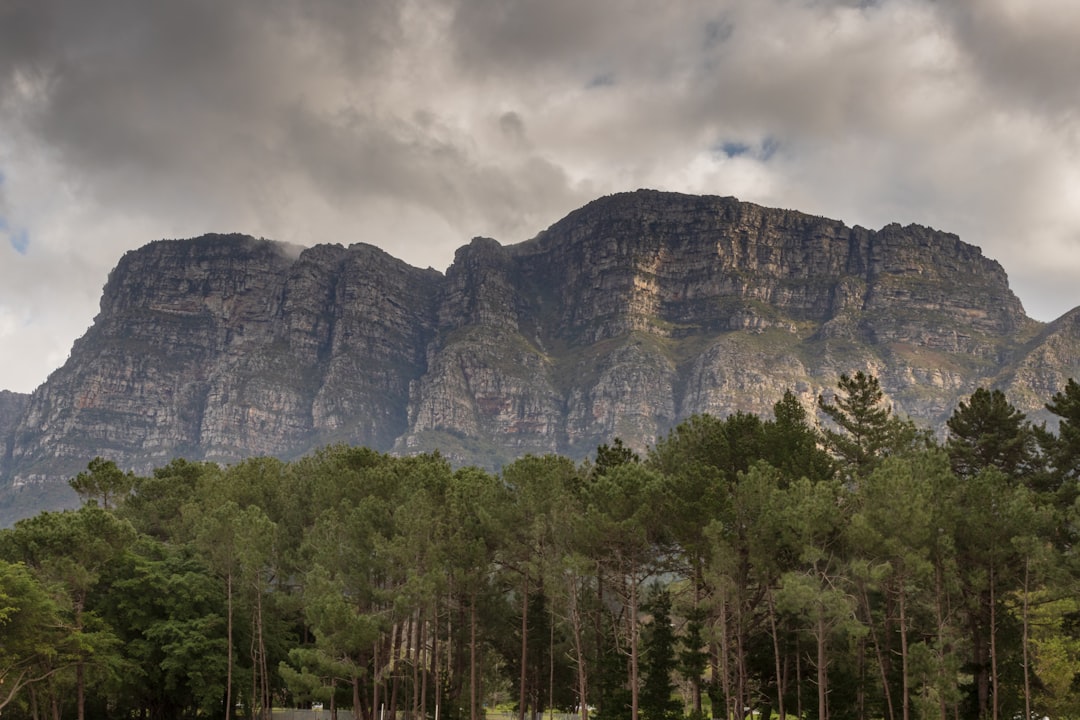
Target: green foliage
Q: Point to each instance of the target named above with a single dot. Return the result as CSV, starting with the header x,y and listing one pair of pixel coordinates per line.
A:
x,y
35,644
988,432
864,430
792,445
887,577
659,660
104,481
169,613
1062,451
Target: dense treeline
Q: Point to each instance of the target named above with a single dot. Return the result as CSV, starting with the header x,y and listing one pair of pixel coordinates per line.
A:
x,y
856,568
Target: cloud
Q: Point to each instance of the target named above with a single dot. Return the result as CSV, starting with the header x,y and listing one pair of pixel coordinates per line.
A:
x,y
417,124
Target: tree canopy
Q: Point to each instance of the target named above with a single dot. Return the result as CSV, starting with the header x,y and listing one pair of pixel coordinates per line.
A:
x,y
846,565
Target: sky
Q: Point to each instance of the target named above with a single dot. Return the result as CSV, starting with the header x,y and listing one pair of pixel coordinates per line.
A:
x,y
415,125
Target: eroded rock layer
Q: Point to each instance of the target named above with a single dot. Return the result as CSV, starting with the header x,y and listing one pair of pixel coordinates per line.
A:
x,y
628,315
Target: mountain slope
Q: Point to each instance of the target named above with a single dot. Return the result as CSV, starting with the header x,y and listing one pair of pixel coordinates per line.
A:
x,y
626,316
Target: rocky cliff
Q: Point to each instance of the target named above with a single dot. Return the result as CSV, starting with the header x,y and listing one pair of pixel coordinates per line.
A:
x,y
626,316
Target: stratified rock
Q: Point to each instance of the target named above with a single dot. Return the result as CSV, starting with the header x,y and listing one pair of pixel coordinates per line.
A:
x,y
623,318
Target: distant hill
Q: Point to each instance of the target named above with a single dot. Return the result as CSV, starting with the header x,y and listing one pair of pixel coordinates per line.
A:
x,y
626,316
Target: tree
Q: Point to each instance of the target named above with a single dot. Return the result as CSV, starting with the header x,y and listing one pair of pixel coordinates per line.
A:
x,y
103,480
540,489
216,537
166,608
693,657
814,592
610,456
864,429
892,532
35,644
988,432
630,537
990,512
659,660
1063,449
792,445
475,504
155,505
69,551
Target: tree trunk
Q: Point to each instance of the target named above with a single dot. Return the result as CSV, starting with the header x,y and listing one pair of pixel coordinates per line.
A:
x,y
905,700
695,683
993,646
634,682
776,657
939,610
551,665
822,671
229,651
263,670
524,647
436,674
414,654
798,680
376,679
395,683
473,714
253,698
882,662
982,674
80,684
579,651
1025,641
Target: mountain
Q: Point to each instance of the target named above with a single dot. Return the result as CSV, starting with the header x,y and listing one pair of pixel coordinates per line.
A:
x,y
626,316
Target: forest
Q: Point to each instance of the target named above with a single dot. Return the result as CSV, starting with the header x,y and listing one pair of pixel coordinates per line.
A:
x,y
823,566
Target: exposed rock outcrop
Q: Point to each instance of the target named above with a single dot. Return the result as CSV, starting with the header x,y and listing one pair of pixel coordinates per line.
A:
x,y
626,316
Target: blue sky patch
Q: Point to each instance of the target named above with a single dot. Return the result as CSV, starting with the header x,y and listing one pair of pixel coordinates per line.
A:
x,y
731,149
20,240
735,148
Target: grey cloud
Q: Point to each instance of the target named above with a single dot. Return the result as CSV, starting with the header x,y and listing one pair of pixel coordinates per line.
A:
x,y
416,124
1028,51
150,91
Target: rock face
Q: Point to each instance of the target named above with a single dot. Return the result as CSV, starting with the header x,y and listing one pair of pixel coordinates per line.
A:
x,y
628,315
12,406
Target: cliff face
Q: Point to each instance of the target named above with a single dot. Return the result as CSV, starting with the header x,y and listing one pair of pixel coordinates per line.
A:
x,y
619,320
12,407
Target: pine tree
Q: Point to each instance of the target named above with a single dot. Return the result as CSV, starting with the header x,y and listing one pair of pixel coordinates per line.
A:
x,y
656,701
987,431
1062,451
865,428
792,444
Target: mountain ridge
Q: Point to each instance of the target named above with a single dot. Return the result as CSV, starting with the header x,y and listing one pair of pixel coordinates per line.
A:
x,y
627,315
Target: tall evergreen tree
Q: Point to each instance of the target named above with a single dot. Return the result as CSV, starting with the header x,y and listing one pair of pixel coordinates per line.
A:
x,y
792,445
658,660
1062,450
864,429
988,432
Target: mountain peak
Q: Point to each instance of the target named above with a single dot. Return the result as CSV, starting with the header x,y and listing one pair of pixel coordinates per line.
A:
x,y
619,320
